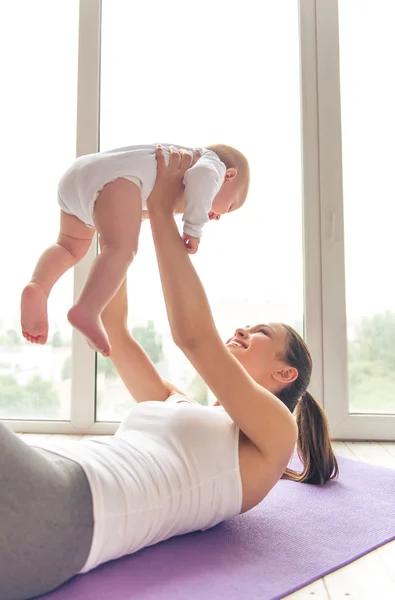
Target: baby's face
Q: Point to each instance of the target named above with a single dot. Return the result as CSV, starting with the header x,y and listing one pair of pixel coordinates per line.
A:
x,y
225,201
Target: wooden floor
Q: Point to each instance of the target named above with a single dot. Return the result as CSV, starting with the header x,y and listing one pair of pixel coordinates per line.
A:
x,y
372,577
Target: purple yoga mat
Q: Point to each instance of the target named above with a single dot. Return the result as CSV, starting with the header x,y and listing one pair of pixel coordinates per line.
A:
x,y
298,534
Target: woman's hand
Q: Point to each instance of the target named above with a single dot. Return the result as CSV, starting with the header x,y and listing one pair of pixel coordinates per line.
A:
x,y
169,178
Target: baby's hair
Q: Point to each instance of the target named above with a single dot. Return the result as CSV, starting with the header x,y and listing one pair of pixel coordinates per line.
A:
x,y
233,158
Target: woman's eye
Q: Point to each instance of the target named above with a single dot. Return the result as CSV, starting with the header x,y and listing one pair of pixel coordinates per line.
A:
x,y
263,331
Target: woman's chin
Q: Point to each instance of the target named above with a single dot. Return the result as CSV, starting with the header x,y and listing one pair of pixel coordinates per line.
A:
x,y
234,349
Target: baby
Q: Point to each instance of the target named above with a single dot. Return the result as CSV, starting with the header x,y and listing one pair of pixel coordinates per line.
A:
x,y
107,192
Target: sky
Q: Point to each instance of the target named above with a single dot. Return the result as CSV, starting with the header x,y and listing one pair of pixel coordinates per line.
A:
x,y
212,72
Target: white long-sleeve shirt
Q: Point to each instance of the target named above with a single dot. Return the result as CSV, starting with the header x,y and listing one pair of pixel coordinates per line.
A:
x,y
80,185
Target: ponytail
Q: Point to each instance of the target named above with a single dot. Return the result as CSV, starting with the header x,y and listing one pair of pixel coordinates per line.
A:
x,y
314,444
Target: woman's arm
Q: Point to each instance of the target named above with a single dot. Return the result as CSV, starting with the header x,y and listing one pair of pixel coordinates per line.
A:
x,y
133,365
258,413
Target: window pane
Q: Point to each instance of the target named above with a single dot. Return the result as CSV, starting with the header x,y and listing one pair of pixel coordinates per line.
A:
x,y
220,72
38,124
367,48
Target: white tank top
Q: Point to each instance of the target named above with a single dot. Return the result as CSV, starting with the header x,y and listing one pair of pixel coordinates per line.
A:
x,y
171,468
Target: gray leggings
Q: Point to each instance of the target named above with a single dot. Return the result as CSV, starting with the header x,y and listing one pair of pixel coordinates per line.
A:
x,y
46,519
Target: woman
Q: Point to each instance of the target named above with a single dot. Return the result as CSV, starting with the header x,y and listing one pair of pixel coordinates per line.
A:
x,y
173,466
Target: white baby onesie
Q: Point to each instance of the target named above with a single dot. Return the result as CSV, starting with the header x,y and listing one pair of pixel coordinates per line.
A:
x,y
82,182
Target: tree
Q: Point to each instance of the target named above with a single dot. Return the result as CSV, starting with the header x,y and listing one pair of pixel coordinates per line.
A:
x,y
198,390
10,391
66,369
14,337
371,362
37,397
146,335
375,339
104,365
57,341
10,338
150,340
41,395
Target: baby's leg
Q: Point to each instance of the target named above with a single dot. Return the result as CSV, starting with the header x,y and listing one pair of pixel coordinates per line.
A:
x,y
72,244
117,218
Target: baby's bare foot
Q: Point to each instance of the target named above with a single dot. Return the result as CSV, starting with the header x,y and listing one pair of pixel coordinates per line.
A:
x,y
34,316
91,327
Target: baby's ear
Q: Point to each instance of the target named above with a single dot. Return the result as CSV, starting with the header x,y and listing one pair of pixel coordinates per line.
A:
x,y
230,174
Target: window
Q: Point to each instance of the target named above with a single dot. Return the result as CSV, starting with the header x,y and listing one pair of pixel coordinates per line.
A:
x,y
197,78
367,47
38,123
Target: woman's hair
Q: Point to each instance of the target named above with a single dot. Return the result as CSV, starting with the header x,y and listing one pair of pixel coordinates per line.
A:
x,y
314,444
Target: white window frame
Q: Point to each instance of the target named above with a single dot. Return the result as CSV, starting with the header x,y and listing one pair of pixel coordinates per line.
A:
x,y
311,194
323,233
334,319
83,388
83,385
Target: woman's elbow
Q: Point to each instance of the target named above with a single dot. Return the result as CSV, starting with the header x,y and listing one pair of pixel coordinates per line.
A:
x,y
185,340
181,340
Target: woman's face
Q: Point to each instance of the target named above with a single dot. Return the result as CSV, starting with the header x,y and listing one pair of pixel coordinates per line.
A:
x,y
261,349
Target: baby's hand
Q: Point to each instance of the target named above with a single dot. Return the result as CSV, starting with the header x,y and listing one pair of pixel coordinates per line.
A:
x,y
191,243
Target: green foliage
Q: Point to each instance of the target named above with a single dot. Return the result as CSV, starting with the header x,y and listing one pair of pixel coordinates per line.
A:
x,y
10,391
14,337
36,399
10,338
150,340
104,365
198,390
371,364
40,392
375,339
57,341
66,369
147,337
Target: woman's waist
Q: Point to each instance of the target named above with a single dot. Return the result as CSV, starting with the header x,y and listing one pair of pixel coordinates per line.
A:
x,y
145,475
142,514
